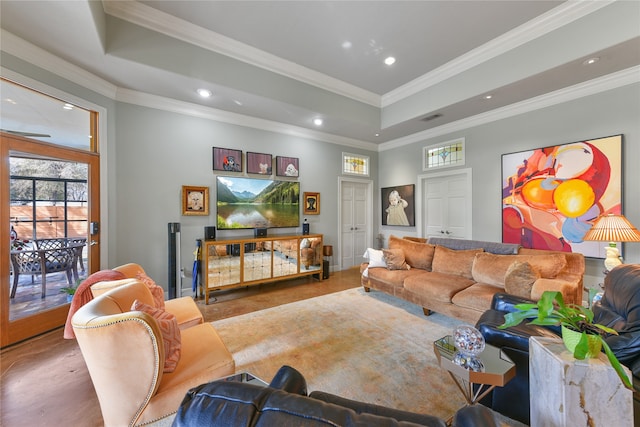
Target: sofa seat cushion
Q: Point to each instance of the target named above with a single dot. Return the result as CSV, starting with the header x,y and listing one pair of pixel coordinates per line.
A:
x,y
477,297
436,286
454,262
394,278
491,269
204,358
418,255
186,311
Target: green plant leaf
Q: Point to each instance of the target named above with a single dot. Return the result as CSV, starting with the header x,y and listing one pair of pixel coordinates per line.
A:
x,y
517,317
617,366
582,348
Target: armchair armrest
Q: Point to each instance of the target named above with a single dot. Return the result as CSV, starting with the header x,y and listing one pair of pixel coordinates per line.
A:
x,y
506,302
290,380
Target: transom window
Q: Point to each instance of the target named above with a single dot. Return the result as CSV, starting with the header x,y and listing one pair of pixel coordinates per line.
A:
x,y
354,164
443,155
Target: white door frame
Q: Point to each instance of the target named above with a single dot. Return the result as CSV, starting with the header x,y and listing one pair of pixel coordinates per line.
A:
x,y
369,233
469,200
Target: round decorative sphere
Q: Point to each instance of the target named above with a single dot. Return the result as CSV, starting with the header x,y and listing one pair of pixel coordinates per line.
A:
x,y
468,340
468,362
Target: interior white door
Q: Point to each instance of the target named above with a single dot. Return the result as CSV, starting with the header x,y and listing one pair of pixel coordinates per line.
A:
x,y
355,222
447,205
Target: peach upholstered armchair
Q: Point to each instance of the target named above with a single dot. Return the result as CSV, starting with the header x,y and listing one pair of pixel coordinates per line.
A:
x,y
184,308
124,352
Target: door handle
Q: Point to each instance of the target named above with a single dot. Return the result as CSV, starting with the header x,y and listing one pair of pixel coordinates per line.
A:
x,y
441,231
448,232
93,242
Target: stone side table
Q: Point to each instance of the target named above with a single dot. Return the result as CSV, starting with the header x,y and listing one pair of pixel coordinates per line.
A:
x,y
574,393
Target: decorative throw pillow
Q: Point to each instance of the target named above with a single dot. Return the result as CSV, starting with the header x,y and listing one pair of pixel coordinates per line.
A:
x,y
156,291
456,262
417,255
171,337
375,257
395,259
520,278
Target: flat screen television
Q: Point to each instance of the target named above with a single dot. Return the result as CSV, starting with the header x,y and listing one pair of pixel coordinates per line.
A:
x,y
256,203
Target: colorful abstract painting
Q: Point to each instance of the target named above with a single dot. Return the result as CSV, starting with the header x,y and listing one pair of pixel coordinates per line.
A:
x,y
552,195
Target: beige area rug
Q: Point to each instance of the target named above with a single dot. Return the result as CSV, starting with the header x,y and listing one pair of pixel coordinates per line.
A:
x,y
370,347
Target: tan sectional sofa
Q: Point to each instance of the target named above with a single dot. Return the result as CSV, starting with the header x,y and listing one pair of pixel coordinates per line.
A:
x,y
458,278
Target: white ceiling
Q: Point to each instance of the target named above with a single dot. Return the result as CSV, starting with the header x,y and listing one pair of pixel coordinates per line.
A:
x,y
289,62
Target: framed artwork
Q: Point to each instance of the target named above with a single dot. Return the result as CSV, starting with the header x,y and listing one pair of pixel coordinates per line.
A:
x,y
226,159
398,205
311,203
259,163
287,166
195,200
552,195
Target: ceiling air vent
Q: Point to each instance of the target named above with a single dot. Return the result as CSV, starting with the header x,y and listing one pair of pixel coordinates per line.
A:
x,y
431,117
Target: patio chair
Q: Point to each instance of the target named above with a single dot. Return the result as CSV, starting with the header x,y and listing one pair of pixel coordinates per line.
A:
x,y
41,261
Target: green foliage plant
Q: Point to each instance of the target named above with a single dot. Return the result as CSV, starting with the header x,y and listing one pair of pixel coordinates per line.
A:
x,y
551,310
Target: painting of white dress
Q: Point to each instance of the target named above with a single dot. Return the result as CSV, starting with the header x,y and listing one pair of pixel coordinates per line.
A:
x,y
398,205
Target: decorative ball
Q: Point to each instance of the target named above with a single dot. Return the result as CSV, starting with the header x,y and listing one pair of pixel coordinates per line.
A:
x,y
468,340
468,362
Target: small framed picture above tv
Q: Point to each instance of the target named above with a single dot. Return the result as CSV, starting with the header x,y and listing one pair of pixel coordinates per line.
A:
x,y
227,159
256,203
259,163
287,166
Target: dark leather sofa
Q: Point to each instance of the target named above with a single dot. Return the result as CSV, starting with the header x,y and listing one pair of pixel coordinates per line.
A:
x,y
619,309
285,403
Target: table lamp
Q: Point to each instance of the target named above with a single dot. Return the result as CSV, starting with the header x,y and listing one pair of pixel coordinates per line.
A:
x,y
612,228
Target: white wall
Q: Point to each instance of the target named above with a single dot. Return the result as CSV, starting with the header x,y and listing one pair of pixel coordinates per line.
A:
x,y
612,112
157,152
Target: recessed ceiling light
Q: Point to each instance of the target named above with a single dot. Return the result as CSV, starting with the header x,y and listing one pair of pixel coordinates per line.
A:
x,y
390,60
205,93
591,61
239,103
317,122
488,96
377,134
346,44
67,106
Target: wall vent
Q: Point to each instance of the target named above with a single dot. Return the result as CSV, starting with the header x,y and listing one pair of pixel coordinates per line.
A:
x,y
431,117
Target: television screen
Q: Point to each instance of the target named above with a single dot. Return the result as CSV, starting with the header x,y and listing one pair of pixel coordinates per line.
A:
x,y
256,203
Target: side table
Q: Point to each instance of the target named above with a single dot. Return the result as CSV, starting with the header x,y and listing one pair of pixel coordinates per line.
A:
x,y
474,385
570,392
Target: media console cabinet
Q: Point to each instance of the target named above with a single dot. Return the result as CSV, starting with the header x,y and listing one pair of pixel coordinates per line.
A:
x,y
243,261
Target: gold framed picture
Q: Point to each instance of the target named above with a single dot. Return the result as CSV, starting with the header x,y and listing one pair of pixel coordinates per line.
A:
x,y
311,203
195,200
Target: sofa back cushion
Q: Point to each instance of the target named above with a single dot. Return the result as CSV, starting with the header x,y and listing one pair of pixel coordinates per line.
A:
x,y
456,262
417,255
491,269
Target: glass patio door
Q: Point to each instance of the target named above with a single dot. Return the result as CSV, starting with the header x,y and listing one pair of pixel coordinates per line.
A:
x,y
47,209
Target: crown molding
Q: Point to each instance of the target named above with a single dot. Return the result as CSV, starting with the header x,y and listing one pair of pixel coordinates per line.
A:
x,y
167,104
161,22
591,87
28,52
555,18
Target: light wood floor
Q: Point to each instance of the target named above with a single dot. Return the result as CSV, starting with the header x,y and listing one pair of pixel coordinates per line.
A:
x,y
45,381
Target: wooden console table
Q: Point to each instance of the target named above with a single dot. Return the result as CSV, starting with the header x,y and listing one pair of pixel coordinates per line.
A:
x,y
244,261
